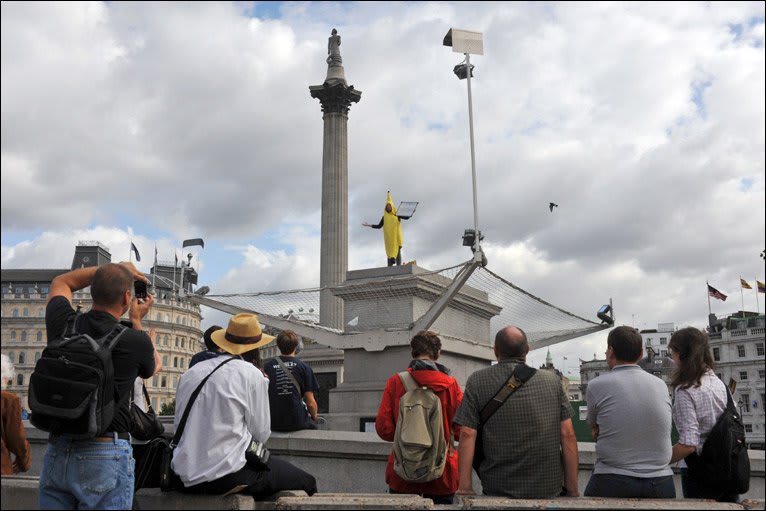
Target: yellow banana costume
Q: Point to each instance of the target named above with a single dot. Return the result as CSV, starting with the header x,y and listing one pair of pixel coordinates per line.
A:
x,y
392,229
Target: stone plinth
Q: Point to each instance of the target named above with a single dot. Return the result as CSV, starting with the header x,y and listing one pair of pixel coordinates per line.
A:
x,y
384,303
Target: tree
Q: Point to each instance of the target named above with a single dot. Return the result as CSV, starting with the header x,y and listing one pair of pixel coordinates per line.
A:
x,y
168,408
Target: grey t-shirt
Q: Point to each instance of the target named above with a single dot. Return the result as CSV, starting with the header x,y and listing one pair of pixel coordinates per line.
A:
x,y
632,409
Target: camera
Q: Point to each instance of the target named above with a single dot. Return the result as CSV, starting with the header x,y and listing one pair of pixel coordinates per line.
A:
x,y
140,288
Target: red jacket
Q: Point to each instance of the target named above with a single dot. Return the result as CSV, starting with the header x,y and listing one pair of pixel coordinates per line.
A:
x,y
448,391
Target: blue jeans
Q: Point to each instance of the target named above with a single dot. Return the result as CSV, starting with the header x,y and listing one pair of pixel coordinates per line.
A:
x,y
83,474
622,486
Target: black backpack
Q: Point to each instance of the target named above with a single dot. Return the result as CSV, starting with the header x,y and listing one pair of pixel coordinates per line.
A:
x,y
71,391
724,463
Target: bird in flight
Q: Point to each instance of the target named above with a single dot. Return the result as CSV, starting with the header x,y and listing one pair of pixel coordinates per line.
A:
x,y
552,205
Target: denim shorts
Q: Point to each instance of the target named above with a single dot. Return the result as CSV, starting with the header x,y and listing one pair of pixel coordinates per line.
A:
x,y
84,474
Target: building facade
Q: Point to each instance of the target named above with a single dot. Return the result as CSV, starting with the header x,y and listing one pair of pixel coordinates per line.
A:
x,y
22,320
738,347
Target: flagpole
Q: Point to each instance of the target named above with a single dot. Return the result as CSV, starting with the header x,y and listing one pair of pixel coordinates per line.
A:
x,y
130,251
175,256
757,306
709,311
742,295
154,274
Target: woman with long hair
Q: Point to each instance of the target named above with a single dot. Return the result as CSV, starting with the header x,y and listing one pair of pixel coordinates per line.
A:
x,y
699,399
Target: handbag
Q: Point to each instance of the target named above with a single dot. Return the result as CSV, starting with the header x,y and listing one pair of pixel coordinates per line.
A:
x,y
146,424
520,375
156,469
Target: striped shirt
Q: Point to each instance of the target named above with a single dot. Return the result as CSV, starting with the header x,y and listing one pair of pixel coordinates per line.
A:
x,y
696,409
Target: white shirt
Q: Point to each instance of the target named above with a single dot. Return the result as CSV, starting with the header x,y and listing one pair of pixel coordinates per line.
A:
x,y
140,400
232,408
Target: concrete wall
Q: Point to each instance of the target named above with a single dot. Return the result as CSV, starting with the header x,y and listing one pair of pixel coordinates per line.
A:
x,y
351,462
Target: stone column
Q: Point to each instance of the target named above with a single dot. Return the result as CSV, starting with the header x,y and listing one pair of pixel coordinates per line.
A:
x,y
335,96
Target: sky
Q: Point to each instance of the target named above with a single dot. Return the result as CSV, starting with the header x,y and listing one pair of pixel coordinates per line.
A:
x,y
158,122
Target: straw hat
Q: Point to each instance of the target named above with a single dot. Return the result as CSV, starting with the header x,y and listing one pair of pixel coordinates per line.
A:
x,y
243,334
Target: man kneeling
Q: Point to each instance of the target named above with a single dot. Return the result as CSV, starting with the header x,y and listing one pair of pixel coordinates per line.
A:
x,y
230,412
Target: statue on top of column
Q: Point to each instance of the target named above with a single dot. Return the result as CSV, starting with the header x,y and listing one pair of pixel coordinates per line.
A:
x,y
333,49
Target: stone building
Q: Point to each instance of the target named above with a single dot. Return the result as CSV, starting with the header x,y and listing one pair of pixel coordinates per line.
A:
x,y
22,320
738,342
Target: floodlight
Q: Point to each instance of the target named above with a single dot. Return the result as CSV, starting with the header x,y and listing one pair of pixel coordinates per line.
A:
x,y
465,41
461,72
202,291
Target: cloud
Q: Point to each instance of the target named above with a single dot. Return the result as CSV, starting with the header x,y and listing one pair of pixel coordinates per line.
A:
x,y
645,123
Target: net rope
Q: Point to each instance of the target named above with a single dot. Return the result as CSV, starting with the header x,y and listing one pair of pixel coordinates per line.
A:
x,y
391,303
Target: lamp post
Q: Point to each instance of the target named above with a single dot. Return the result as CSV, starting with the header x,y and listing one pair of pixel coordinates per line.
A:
x,y
468,43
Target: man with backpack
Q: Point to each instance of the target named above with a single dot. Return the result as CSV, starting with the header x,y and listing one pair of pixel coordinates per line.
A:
x,y
416,414
291,387
87,468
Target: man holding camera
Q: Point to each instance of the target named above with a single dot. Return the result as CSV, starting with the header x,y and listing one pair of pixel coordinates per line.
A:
x,y
98,473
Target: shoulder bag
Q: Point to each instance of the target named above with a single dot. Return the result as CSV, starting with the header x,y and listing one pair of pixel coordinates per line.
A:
x,y
146,424
521,374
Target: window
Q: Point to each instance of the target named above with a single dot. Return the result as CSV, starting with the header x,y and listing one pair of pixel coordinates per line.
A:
x,y
717,354
24,336
39,337
762,374
663,340
183,342
177,341
182,362
175,382
18,292
159,317
26,312
759,349
11,356
22,357
164,381
154,380
15,313
20,379
166,340
740,350
154,405
40,312
164,361
748,428
745,399
13,335
742,375
175,361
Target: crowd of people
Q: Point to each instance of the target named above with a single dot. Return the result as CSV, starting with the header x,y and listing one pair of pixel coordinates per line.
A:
x,y
512,423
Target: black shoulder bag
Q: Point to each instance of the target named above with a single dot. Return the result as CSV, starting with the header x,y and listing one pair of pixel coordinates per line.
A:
x,y
146,424
521,374
156,470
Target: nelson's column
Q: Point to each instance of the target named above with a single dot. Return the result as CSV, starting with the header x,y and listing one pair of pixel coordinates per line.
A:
x,y
336,97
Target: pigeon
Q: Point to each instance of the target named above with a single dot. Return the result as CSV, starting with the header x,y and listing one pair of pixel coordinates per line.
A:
x,y
552,205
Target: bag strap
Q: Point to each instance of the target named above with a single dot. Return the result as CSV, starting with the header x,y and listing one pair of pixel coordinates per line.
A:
x,y
71,324
146,396
409,381
185,416
521,374
289,375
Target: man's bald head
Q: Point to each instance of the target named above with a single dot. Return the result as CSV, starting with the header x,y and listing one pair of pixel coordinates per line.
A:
x,y
511,342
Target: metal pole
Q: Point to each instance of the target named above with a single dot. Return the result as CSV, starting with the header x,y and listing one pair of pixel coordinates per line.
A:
x,y
473,153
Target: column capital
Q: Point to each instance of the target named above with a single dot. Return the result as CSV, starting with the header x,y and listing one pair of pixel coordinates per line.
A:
x,y
336,97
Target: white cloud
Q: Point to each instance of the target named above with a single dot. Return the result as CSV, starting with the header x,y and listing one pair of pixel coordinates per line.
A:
x,y
642,121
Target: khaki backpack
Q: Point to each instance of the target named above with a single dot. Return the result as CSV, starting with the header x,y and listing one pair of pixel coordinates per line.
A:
x,y
420,449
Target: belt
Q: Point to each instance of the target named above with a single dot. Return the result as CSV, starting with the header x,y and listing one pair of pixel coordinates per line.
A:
x,y
110,438
104,439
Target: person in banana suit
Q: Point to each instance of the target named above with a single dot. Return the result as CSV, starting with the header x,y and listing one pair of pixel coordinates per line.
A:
x,y
392,232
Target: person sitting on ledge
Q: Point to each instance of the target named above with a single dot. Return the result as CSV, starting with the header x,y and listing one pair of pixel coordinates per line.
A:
x,y
230,414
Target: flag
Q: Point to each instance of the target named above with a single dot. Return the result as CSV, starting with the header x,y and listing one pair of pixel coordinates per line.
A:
x,y
744,283
193,242
175,254
711,291
134,249
761,286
